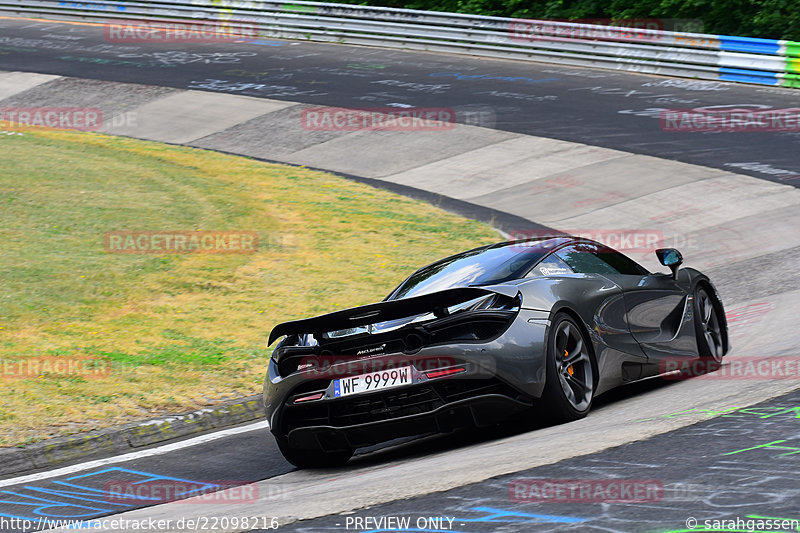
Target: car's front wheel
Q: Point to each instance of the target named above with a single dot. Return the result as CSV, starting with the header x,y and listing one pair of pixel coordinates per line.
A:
x,y
707,326
569,385
312,458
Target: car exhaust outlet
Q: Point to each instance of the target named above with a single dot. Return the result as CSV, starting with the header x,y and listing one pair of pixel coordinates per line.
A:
x,y
413,343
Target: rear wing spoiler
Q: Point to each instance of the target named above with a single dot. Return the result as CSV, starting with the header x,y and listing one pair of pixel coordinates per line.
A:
x,y
385,311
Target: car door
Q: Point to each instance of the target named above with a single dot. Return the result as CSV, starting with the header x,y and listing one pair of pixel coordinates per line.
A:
x,y
660,316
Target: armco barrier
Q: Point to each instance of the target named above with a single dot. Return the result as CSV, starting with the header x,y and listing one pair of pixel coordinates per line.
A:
x,y
693,55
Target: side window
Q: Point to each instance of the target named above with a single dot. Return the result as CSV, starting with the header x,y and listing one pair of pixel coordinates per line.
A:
x,y
621,263
589,258
583,258
551,265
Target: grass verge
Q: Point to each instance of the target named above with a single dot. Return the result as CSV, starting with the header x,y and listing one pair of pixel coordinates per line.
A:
x,y
176,331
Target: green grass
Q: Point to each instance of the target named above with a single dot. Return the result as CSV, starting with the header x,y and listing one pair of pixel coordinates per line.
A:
x,y
179,331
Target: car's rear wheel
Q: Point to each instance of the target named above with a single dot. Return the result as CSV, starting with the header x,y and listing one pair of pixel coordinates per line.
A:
x,y
569,387
312,458
707,326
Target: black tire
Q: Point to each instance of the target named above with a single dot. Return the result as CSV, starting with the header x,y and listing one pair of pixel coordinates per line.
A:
x,y
570,382
708,329
312,458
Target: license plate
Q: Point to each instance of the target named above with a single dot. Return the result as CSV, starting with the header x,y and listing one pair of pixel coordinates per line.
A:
x,y
385,379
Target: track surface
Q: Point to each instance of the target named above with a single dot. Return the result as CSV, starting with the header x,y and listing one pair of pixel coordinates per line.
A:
x,y
595,107
711,475
589,106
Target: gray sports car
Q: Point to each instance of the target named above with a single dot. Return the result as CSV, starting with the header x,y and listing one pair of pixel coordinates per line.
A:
x,y
540,325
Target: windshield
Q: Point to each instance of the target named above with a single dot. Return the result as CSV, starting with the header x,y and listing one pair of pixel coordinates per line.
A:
x,y
482,266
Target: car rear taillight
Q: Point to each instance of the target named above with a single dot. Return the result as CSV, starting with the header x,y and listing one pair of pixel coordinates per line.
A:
x,y
445,372
309,398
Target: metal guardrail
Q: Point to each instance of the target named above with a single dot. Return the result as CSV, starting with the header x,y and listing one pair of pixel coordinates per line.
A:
x,y
693,55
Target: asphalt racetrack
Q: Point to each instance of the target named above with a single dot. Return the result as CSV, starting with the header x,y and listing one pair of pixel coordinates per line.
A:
x,y
589,106
723,448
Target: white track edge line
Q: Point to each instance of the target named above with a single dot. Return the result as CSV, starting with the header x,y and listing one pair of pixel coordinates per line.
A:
x,y
136,455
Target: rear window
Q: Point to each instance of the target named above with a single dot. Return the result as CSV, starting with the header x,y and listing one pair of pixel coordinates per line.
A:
x,y
482,266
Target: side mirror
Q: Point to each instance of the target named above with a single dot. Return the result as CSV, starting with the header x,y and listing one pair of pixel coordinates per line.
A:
x,y
670,257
